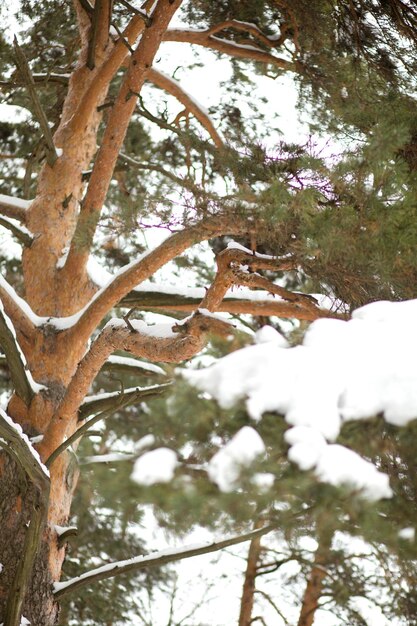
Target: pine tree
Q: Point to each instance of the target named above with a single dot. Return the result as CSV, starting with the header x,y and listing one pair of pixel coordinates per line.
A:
x,y
344,226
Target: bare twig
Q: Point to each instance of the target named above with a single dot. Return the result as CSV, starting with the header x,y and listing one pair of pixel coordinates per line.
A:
x,y
23,67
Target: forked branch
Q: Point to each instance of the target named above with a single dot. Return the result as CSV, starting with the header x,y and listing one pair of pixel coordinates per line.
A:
x,y
148,264
114,134
173,345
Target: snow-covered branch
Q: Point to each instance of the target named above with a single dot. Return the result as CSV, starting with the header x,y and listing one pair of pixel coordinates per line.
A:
x,y
147,264
20,232
161,343
345,370
250,52
132,366
154,560
14,207
110,405
105,401
237,301
173,87
23,318
19,446
16,361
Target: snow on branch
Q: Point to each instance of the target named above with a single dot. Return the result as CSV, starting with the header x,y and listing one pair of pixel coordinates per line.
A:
x,y
121,402
345,370
250,52
191,105
22,380
161,343
18,310
14,207
155,560
20,232
19,446
147,264
132,366
237,301
130,396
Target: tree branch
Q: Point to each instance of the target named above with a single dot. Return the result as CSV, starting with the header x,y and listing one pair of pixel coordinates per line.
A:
x,y
154,560
18,310
14,207
138,271
111,400
21,233
174,88
172,346
246,27
15,359
262,304
114,134
242,51
105,73
24,70
100,23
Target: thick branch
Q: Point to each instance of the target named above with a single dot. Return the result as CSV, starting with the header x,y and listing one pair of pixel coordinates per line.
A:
x,y
100,23
248,592
113,138
242,51
173,345
15,358
262,304
318,573
174,88
153,560
147,265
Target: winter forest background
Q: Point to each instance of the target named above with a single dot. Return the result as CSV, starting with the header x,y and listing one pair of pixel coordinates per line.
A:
x,y
208,271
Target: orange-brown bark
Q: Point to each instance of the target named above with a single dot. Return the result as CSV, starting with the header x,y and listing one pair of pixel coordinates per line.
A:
x,y
248,593
208,40
314,586
119,118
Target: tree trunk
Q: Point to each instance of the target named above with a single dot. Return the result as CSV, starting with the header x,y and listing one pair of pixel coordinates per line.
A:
x,y
318,573
248,594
